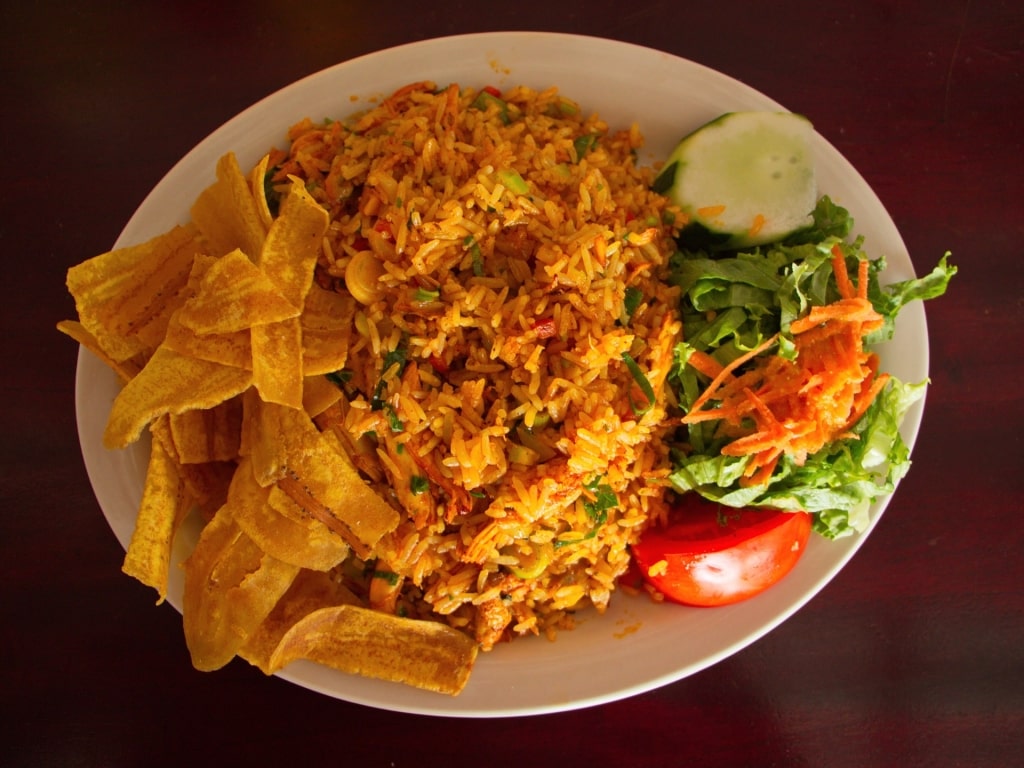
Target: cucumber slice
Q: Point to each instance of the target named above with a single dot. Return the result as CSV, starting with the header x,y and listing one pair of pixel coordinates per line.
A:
x,y
744,179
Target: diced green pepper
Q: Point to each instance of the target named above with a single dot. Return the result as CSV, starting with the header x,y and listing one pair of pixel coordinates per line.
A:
x,y
513,181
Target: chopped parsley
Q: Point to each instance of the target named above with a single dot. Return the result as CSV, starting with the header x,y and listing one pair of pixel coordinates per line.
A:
x,y
393,421
389,576
601,499
631,302
584,144
424,296
339,378
476,254
270,192
645,386
394,359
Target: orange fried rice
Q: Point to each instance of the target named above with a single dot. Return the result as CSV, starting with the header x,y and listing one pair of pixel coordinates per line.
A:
x,y
509,334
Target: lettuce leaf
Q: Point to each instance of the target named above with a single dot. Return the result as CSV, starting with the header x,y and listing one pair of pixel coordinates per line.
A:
x,y
733,302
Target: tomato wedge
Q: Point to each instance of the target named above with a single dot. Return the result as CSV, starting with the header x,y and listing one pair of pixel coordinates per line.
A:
x,y
709,554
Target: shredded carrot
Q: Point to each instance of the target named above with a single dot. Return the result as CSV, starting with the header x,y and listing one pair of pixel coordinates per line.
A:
x,y
726,372
854,310
705,363
710,210
839,270
862,279
759,222
779,406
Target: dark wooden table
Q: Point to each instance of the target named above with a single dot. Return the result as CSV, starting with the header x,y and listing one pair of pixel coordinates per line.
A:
x,y
913,655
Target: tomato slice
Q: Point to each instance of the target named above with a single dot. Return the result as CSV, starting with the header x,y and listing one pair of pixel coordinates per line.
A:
x,y
709,554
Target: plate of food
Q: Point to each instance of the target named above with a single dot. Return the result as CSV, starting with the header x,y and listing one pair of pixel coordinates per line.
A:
x,y
385,382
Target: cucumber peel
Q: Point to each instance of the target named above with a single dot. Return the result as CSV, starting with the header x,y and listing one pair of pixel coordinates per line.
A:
x,y
744,179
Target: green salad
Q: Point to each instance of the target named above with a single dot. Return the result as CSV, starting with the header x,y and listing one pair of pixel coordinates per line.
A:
x,y
736,301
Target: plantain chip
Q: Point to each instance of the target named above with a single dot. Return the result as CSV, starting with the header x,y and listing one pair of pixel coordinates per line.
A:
x,y
279,527
325,483
318,394
265,435
234,294
310,591
125,369
226,212
326,328
231,585
315,471
165,504
277,362
208,484
258,186
232,348
361,449
293,244
288,258
170,383
125,297
425,654
208,435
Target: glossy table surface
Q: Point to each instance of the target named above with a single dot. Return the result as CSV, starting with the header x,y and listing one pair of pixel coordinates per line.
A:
x,y
912,655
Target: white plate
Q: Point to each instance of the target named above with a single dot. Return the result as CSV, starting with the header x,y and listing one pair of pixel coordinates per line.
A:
x,y
637,645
